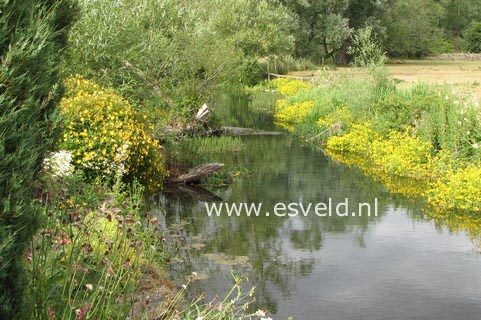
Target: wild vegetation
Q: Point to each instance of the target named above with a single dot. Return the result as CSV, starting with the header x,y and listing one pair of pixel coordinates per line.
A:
x,y
86,86
427,133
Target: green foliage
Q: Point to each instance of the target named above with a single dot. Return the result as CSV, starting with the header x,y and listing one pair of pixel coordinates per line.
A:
x,y
176,54
324,27
442,45
472,37
33,35
412,26
365,49
459,14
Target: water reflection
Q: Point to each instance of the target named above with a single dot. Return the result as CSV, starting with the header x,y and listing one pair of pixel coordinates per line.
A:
x,y
398,265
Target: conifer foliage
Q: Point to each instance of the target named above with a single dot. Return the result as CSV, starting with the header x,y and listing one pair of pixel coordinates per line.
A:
x,y
33,35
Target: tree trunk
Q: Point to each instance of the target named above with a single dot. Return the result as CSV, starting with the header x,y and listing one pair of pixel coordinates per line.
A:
x,y
342,58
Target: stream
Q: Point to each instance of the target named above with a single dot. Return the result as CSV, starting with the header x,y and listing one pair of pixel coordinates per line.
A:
x,y
396,265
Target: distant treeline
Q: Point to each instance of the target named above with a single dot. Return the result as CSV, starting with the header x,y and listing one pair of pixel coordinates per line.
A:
x,y
405,28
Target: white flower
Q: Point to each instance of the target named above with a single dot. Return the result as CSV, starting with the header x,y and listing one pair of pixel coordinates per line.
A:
x,y
260,313
199,318
475,145
268,318
60,163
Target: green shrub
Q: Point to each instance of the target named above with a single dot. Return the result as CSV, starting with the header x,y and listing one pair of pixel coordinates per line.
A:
x,y
32,37
365,49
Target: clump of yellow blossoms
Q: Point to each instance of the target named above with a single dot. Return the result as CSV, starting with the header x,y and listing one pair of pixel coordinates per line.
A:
x,y
357,140
106,136
459,189
401,154
289,87
448,184
430,157
292,114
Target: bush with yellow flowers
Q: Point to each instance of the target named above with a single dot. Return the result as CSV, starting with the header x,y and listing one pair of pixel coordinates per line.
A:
x,y
106,136
289,87
358,140
402,154
289,114
458,189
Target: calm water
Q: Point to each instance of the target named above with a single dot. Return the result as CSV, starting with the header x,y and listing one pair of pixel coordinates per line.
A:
x,y
399,265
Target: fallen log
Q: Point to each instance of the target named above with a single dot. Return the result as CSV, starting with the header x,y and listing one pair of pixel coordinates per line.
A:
x,y
198,173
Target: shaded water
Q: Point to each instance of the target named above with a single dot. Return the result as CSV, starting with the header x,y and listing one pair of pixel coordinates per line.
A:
x,y
399,265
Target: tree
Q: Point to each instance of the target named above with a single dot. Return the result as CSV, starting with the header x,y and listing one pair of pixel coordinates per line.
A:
x,y
473,37
259,30
324,27
459,14
33,35
412,27
365,49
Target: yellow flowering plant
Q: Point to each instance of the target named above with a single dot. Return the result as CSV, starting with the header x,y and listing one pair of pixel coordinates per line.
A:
x,y
106,136
458,189
292,114
290,87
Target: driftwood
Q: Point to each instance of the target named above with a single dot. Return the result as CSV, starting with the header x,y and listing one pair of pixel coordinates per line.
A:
x,y
203,114
198,173
195,191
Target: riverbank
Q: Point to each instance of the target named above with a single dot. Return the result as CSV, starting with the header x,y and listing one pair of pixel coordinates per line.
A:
x,y
427,133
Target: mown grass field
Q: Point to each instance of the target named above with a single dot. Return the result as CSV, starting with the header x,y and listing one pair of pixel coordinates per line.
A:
x,y
465,75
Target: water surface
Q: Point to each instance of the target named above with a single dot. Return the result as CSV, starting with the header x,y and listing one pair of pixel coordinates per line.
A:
x,y
398,265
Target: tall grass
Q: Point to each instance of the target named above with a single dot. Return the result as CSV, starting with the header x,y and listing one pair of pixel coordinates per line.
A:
x,y
87,261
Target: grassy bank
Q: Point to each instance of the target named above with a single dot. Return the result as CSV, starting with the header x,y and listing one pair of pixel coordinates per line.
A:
x,y
429,134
